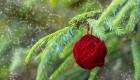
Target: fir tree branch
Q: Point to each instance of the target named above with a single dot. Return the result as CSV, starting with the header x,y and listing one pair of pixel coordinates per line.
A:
x,y
51,56
39,43
93,74
136,59
98,31
61,68
111,9
124,11
133,20
91,14
69,46
36,47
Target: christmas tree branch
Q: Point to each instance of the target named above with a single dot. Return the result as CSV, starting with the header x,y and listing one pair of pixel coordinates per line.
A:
x,y
133,20
51,56
136,59
124,11
37,45
111,9
92,14
61,68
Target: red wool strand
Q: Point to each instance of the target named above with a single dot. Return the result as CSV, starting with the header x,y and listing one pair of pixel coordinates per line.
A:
x,y
89,52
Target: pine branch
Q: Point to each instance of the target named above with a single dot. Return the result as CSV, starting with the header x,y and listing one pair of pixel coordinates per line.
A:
x,y
118,22
37,45
98,31
111,9
124,11
136,59
93,74
91,14
133,20
120,18
69,70
61,68
105,20
79,73
51,53
107,17
69,46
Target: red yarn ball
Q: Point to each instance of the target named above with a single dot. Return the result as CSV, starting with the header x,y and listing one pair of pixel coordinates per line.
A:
x,y
89,52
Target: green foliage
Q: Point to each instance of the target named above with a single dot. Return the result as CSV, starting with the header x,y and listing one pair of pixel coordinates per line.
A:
x,y
74,21
115,18
67,69
93,74
37,46
59,47
136,58
61,68
52,54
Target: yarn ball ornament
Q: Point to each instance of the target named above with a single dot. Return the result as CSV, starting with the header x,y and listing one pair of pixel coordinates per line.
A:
x,y
89,52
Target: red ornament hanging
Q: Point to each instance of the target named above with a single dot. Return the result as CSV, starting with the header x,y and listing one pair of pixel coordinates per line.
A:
x,y
89,52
